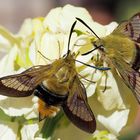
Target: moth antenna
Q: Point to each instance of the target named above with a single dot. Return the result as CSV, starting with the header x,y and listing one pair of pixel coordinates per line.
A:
x,y
91,66
44,56
80,20
71,30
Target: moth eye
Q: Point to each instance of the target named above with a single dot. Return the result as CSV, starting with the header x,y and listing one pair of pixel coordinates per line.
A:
x,y
101,47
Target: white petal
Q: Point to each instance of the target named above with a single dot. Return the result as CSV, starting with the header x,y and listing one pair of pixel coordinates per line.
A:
x,y
26,28
8,130
28,131
7,62
38,138
110,27
61,20
115,122
33,53
50,46
18,106
4,44
111,97
52,19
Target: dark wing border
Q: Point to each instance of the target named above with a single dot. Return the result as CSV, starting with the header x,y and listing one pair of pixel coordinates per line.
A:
x,y
77,108
23,84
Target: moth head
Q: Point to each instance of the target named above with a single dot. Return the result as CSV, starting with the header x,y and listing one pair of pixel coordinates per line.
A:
x,y
98,44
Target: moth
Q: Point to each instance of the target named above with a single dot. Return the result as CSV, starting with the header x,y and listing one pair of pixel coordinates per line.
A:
x,y
57,85
122,50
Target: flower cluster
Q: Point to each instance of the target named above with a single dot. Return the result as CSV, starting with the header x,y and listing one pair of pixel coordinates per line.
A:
x,y
49,36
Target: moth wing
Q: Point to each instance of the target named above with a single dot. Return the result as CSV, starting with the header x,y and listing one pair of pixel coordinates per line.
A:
x,y
77,109
130,28
131,77
23,84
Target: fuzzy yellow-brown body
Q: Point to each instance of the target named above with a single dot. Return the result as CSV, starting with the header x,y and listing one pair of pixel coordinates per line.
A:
x,y
62,72
118,48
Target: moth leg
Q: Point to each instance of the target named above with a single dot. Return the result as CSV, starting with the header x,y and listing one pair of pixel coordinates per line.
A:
x,y
90,81
45,58
46,110
105,74
59,49
98,61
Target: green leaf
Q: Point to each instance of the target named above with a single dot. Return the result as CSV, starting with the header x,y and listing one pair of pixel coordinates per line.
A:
x,y
19,119
3,116
78,32
102,135
50,125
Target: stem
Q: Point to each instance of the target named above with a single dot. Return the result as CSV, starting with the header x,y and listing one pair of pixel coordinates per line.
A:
x,y
50,125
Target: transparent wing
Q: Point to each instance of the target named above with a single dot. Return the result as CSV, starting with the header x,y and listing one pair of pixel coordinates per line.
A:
x,y
130,28
77,109
131,77
21,85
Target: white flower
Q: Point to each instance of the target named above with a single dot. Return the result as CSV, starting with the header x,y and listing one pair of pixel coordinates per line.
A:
x,y
110,27
110,98
38,138
115,122
49,36
9,60
60,19
28,131
8,130
57,28
12,105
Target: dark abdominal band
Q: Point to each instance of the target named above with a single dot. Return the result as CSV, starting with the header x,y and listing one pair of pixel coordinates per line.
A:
x,y
49,97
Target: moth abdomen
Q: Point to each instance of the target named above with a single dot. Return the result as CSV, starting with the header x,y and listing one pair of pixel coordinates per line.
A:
x,y
48,96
